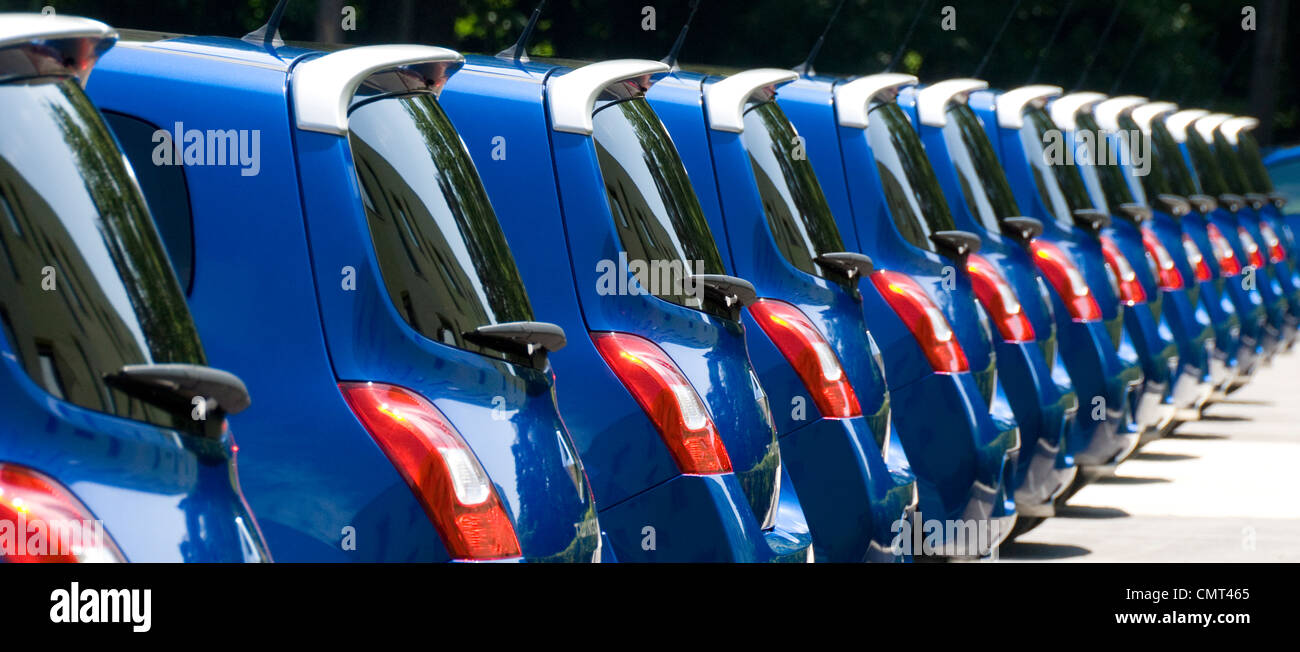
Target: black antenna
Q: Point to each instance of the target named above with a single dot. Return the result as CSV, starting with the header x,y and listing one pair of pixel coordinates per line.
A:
x,y
268,35
671,59
1101,40
519,51
907,36
805,69
997,37
1042,54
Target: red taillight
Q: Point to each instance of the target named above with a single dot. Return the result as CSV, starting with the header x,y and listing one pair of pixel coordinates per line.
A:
x,y
439,467
1276,252
46,523
1167,273
928,325
668,399
1252,248
1227,258
999,300
1196,259
1065,277
1130,289
812,358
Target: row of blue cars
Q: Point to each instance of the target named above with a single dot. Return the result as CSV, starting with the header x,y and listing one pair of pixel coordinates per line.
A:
x,y
473,308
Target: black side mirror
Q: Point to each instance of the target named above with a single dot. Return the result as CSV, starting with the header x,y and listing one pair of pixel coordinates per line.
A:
x,y
1174,205
1204,204
1091,219
1022,228
956,245
1136,213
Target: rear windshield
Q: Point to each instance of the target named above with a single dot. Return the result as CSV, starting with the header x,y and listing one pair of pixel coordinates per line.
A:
x,y
1207,169
1169,171
915,201
796,209
1059,185
1100,156
983,182
85,285
655,210
441,251
1231,165
1248,150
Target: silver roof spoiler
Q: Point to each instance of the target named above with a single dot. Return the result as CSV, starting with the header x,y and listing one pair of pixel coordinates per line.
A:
x,y
1206,125
1147,113
933,100
725,99
1235,125
572,96
853,98
1011,104
1065,109
1109,111
64,45
1180,121
322,88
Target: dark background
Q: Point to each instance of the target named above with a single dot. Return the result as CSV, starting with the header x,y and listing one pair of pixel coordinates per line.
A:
x,y
1193,52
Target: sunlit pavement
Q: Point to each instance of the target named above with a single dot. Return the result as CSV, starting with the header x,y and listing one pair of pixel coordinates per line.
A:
x,y
1226,488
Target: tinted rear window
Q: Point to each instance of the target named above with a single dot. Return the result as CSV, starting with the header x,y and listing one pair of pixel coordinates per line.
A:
x,y
442,253
85,285
983,182
1100,156
1060,186
1207,169
915,201
655,210
796,209
1248,149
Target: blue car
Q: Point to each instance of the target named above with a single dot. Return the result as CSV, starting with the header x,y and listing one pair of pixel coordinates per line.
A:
x,y
656,385
1114,406
114,443
340,254
1280,170
952,414
809,339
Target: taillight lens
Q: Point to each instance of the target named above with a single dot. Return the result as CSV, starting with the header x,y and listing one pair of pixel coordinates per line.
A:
x,y
923,318
1252,248
1065,277
1223,253
1276,252
668,399
1130,289
1167,273
812,358
439,467
47,523
1197,260
999,300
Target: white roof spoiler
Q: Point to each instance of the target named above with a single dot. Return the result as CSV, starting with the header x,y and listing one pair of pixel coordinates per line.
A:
x,y
322,88
1109,111
1180,121
1235,125
572,96
1206,125
933,100
725,99
73,44
1066,108
1011,104
1147,113
853,98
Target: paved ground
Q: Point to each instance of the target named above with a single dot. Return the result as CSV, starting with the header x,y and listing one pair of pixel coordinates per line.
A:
x,y
1226,488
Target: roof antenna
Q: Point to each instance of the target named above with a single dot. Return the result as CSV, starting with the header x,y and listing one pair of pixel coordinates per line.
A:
x,y
898,54
1101,40
805,69
268,35
519,51
997,37
1056,31
671,59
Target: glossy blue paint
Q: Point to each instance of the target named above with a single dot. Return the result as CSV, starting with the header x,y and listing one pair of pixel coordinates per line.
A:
x,y
959,436
850,496
549,192
271,252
